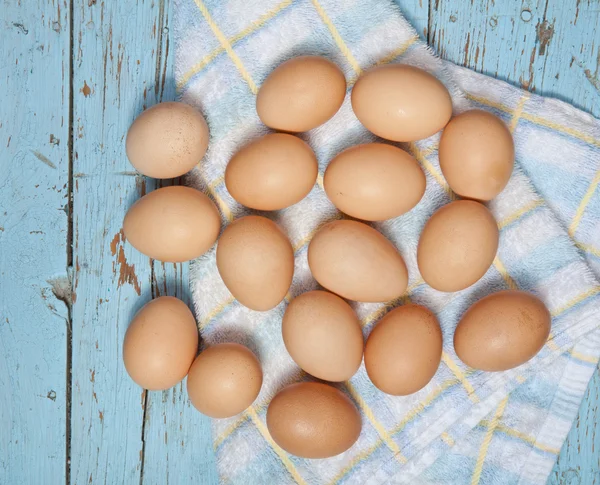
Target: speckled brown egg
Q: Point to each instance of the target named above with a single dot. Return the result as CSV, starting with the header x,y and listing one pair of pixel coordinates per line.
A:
x,y
313,420
172,224
374,182
477,155
256,262
224,380
160,343
502,331
457,246
272,173
401,103
356,262
404,350
167,140
322,334
301,94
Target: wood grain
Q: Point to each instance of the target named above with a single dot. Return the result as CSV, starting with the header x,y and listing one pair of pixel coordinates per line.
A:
x,y
34,222
547,46
114,68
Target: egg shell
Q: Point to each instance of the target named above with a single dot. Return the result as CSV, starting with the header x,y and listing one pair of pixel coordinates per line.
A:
x,y
272,173
167,140
322,334
160,343
356,262
502,331
172,224
301,94
401,103
477,155
404,350
256,262
457,246
224,380
374,182
313,420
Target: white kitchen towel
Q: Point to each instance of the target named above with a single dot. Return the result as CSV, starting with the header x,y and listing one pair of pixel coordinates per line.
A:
x,y
465,426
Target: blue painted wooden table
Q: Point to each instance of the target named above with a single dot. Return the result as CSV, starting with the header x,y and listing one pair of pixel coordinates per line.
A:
x,y
73,77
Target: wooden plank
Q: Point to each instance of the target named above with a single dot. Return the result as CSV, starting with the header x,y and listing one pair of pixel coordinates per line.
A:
x,y
115,66
546,46
177,438
34,286
417,13
550,47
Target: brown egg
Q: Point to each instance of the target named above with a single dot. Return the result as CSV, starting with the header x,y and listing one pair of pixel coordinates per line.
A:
x,y
256,261
160,343
301,94
322,334
167,140
172,224
502,331
401,103
457,246
404,350
477,155
272,173
357,262
224,380
313,420
374,182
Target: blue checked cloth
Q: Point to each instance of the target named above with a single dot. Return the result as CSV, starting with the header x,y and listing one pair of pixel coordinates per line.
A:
x,y
465,426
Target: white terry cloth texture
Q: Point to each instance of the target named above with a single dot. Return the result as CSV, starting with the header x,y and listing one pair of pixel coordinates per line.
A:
x,y
465,426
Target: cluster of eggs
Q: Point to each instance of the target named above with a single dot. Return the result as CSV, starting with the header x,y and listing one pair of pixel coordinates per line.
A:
x,y
349,259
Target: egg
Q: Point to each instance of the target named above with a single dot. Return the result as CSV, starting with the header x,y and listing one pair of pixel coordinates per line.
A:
x,y
167,140
477,155
502,331
160,344
313,420
401,103
272,173
224,380
322,334
256,262
356,262
457,246
301,94
172,224
404,350
374,182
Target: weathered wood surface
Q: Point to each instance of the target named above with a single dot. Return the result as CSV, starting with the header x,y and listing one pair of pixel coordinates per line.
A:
x,y
34,222
107,61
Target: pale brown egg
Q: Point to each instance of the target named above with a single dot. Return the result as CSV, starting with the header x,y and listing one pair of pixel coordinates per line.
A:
x,y
401,103
374,182
172,224
457,246
224,380
313,420
160,343
502,331
256,261
301,94
322,334
404,350
356,262
477,155
167,140
272,173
